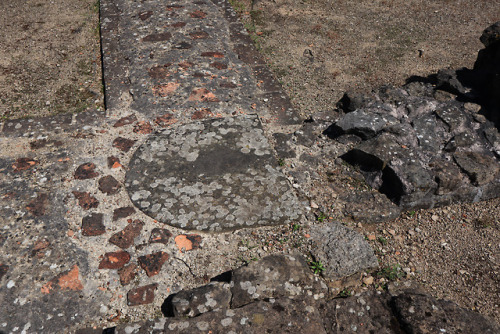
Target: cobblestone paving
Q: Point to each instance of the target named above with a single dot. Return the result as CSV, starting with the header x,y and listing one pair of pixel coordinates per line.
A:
x,y
75,249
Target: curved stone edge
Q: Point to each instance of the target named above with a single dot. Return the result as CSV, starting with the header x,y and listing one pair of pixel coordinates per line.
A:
x,y
286,305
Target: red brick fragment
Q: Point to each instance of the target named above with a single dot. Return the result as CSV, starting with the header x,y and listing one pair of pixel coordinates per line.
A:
x,y
86,171
159,71
109,185
165,120
85,200
186,64
227,84
199,75
213,54
187,242
113,162
3,270
143,127
38,206
39,248
152,263
123,212
199,34
8,195
127,273
166,89
173,7
145,15
202,113
218,65
114,260
23,164
142,295
125,121
178,24
203,95
68,280
160,235
123,144
125,238
41,143
159,37
198,14
92,225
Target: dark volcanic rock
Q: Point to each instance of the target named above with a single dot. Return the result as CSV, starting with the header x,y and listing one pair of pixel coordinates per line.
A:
x,y
109,185
342,251
152,263
430,153
284,308
435,149
364,123
92,225
142,295
272,277
424,314
86,171
367,313
370,207
125,238
197,301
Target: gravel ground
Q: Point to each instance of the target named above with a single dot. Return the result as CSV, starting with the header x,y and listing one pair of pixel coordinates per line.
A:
x,y
318,50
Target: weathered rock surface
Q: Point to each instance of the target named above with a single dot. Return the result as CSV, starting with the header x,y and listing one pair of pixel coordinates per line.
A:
x,y
404,309
273,277
190,303
213,175
341,250
431,153
423,149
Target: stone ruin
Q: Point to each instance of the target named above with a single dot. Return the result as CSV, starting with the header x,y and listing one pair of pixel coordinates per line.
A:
x,y
434,141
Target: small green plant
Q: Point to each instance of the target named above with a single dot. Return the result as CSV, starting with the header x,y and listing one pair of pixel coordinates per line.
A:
x,y
345,293
96,6
316,266
282,241
281,162
382,240
412,213
295,227
321,217
391,273
246,243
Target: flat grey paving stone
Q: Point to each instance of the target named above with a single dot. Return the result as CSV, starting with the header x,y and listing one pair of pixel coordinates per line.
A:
x,y
212,175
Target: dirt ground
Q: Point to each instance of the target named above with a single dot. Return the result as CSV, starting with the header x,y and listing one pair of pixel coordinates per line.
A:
x,y
50,63
320,49
49,57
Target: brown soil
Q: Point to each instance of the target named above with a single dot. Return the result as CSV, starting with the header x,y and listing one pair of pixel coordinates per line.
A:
x,y
320,49
50,57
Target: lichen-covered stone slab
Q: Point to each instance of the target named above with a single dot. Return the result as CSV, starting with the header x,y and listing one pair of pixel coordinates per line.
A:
x,y
213,175
341,250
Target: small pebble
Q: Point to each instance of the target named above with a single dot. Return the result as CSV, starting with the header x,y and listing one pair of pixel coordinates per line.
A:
x,y
368,280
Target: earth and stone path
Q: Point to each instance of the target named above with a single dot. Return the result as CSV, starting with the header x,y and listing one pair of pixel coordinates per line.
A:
x,y
104,215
